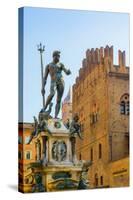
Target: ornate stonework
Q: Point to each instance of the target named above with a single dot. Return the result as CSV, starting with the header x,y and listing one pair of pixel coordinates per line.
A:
x,y
59,150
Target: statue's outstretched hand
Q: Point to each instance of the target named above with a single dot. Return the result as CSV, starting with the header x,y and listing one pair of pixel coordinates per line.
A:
x,y
68,72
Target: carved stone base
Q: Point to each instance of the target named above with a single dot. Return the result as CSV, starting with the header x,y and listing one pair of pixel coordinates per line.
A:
x,y
58,165
57,178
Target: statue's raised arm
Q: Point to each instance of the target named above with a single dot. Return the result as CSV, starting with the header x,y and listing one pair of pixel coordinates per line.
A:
x,y
67,71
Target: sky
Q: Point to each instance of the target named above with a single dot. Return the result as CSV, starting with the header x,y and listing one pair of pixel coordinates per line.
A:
x,y
72,32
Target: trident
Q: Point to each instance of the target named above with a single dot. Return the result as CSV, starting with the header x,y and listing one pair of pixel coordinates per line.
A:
x,y
41,50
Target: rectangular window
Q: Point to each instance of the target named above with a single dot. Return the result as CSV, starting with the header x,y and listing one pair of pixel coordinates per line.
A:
x,y
96,180
100,151
91,154
101,180
27,138
95,117
28,155
20,155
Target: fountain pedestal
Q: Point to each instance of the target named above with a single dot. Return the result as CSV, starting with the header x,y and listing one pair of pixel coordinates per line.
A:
x,y
56,165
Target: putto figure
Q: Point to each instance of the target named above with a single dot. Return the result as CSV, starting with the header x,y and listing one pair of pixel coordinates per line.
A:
x,y
55,69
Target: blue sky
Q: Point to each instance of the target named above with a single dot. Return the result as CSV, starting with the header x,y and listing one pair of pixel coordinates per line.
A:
x,y
72,32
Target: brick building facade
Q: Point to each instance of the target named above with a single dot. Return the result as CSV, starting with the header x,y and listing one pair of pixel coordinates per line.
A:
x,y
101,98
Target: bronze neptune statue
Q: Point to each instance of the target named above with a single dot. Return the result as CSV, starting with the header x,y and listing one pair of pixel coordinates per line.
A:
x,y
54,69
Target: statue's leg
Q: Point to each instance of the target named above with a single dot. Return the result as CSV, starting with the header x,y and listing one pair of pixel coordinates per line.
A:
x,y
51,95
60,90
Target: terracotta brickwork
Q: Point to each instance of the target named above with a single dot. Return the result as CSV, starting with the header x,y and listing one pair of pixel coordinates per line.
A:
x,y
101,98
66,111
67,108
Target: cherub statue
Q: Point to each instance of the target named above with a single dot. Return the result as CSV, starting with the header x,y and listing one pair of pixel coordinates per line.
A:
x,y
75,127
42,124
35,131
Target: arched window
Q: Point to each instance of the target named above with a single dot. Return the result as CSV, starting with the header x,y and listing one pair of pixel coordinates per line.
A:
x,y
124,104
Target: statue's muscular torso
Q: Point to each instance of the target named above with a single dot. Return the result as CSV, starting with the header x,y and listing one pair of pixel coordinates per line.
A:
x,y
55,71
57,83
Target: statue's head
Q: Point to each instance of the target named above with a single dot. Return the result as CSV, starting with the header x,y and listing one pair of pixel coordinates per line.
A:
x,y
56,56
